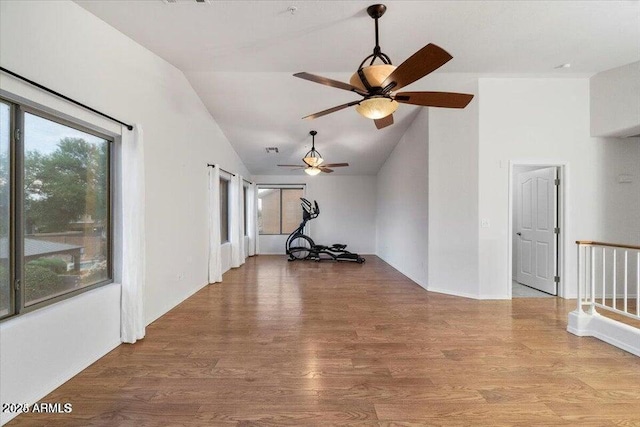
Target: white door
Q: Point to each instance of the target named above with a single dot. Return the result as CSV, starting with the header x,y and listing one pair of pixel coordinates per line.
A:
x,y
536,207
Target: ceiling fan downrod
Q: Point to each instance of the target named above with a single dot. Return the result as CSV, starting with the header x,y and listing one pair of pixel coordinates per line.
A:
x,y
313,134
313,157
375,12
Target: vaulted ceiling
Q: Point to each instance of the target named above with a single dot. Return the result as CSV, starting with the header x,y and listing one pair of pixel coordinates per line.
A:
x,y
240,56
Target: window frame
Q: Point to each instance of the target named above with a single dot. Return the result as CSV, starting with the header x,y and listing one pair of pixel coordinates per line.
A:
x,y
301,187
13,293
17,214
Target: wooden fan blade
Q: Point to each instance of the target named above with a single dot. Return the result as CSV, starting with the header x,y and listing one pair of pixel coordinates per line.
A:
x,y
330,110
327,170
435,99
292,166
329,82
421,63
384,122
334,165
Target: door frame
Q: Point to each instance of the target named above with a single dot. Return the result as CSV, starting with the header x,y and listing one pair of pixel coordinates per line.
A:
x,y
563,218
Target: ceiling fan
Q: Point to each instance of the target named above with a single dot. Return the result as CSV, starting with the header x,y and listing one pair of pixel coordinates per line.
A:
x,y
312,160
377,83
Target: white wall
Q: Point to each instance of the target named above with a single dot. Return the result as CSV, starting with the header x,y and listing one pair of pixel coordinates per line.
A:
x,y
43,349
453,191
62,46
615,101
347,210
246,246
547,120
402,224
225,255
620,207
432,236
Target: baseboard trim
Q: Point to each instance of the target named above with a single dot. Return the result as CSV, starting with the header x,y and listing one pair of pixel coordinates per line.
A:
x,y
450,292
615,333
421,283
171,305
494,297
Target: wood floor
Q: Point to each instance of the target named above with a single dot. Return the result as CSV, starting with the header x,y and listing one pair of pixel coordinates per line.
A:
x,y
326,344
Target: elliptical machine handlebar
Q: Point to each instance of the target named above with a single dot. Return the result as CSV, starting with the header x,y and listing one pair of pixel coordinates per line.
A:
x,y
312,211
306,205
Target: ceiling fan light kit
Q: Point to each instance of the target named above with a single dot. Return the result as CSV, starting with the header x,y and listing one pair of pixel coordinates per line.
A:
x,y
377,83
373,75
377,107
313,157
313,171
313,161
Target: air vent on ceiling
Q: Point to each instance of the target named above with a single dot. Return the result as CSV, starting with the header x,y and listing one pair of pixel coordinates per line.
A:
x,y
186,1
272,150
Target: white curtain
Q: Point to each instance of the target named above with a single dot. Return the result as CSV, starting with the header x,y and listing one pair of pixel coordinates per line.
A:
x,y
256,230
132,323
236,219
252,217
241,231
215,259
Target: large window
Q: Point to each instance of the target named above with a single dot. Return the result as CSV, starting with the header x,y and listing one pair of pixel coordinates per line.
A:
x,y
224,210
59,222
279,210
246,204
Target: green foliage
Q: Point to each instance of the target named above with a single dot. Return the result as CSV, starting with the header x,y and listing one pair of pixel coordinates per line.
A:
x,y
63,186
57,265
4,288
40,282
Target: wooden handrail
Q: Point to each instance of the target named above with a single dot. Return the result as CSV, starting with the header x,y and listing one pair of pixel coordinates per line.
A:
x,y
611,245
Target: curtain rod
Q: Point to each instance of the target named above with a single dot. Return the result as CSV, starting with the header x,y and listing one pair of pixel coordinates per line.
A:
x,y
293,186
230,173
66,98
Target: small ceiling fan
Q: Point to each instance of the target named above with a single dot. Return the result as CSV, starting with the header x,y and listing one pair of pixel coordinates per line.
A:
x,y
312,160
377,83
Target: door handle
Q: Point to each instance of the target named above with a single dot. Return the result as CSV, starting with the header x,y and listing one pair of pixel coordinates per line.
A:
x,y
519,233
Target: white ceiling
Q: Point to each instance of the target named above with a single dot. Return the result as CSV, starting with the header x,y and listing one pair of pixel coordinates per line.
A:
x,y
239,57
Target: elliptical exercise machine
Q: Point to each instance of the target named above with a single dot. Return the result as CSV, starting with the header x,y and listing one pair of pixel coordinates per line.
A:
x,y
302,247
